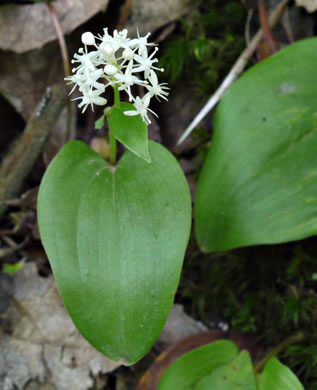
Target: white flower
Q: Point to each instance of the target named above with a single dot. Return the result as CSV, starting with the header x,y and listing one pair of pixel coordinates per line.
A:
x,y
77,79
91,81
145,63
141,43
116,60
117,41
141,108
86,61
127,79
128,54
91,97
156,89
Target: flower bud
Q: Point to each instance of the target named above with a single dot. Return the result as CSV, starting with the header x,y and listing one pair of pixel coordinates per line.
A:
x,y
127,54
88,39
110,70
108,50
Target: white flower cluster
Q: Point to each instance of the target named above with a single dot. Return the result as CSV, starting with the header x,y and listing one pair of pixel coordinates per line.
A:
x,y
116,60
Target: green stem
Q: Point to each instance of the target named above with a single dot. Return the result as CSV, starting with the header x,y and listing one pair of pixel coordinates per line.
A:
x,y
112,139
295,338
113,149
116,96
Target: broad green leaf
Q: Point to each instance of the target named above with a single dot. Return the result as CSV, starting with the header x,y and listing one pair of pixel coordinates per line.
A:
x,y
131,131
259,181
236,375
115,237
188,370
276,376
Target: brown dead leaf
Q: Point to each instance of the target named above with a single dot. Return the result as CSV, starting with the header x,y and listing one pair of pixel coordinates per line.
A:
x,y
26,27
38,341
150,15
24,77
179,325
153,375
310,5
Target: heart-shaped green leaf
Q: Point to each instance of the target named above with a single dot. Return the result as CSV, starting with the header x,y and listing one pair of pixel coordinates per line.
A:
x,y
259,181
131,131
235,375
190,368
116,238
276,376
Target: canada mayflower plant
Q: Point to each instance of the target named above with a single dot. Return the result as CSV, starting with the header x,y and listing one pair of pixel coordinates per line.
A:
x,y
116,231
116,60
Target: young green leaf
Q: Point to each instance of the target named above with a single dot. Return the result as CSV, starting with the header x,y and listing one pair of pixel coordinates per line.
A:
x,y
12,268
131,131
258,185
235,375
190,368
276,376
116,238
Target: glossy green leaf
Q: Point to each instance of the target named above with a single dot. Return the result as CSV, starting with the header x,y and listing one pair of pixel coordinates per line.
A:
x,y
236,375
188,370
276,376
115,237
258,184
131,131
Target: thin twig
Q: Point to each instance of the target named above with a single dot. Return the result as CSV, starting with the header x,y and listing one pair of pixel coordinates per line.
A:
x,y
66,64
124,14
267,33
294,339
13,246
248,26
235,71
19,161
286,23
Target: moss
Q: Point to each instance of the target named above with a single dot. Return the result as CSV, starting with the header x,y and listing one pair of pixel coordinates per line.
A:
x,y
268,290
205,45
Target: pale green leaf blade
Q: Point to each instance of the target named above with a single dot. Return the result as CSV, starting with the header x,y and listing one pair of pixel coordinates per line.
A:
x,y
131,131
276,376
236,375
126,231
259,181
188,370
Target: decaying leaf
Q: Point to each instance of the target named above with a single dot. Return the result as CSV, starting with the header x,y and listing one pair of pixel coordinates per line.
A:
x,y
149,15
180,325
24,77
26,27
38,340
310,5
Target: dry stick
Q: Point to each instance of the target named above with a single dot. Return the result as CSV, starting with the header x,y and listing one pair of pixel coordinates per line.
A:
x,y
286,23
247,26
67,72
294,339
19,161
234,72
124,14
13,247
267,33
